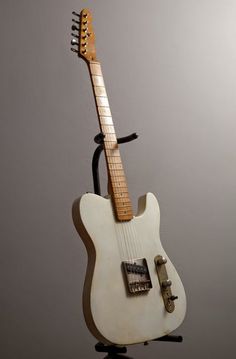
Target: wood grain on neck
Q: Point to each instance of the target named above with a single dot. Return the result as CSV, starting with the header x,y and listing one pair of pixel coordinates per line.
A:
x,y
117,180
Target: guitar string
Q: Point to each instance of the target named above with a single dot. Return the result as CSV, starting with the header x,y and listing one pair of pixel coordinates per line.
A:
x,y
125,230
129,237
125,236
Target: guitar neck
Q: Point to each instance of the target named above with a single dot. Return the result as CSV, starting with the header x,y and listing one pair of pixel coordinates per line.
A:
x,y
117,181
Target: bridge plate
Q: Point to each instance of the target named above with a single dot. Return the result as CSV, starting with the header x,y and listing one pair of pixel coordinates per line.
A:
x,y
137,275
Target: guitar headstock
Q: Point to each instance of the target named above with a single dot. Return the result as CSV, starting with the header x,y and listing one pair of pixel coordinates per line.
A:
x,y
83,40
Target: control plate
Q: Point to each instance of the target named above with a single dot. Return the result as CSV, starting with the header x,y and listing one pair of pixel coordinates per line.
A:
x,y
165,284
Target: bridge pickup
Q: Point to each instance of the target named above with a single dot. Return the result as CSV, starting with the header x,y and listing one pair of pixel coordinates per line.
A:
x,y
137,275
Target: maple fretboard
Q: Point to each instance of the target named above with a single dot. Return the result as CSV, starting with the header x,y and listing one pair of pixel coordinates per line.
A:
x,y
117,180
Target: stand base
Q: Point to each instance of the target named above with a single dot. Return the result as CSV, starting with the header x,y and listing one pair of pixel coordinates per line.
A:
x,y
114,351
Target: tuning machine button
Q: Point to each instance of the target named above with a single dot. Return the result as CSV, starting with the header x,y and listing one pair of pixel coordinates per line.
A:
x,y
74,35
166,283
75,13
74,28
75,21
174,297
74,42
74,50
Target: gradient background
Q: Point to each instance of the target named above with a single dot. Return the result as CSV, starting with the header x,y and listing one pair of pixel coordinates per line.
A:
x,y
170,72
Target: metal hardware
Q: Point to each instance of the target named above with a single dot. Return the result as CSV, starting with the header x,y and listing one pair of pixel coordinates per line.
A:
x,y
74,42
137,276
161,260
74,50
74,28
75,13
77,22
165,283
74,35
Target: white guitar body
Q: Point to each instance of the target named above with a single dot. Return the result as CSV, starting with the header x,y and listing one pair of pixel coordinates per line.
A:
x,y
111,313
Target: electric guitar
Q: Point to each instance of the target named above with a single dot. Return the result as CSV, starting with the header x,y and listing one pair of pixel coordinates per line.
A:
x,y
132,292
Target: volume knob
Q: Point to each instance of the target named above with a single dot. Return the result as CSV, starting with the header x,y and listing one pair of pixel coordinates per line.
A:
x,y
166,283
161,260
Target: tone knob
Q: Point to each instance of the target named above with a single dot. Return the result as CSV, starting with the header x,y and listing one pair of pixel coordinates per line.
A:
x,y
161,260
166,283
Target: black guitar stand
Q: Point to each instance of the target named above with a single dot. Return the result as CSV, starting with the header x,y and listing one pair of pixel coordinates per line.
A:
x,y
113,351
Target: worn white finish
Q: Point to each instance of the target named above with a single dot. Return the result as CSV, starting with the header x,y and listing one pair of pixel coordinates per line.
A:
x,y
112,315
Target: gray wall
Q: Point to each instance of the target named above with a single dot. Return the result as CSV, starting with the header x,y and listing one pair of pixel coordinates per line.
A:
x,y
170,72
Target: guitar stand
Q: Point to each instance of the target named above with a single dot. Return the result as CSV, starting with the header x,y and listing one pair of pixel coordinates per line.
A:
x,y
113,351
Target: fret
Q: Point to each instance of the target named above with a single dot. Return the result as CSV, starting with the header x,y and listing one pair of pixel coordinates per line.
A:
x,y
114,160
113,153
108,128
116,172
124,200
110,145
118,178
100,91
124,213
119,181
124,210
97,80
120,196
104,111
119,187
119,190
116,185
106,121
111,156
116,167
102,101
125,217
110,137
95,69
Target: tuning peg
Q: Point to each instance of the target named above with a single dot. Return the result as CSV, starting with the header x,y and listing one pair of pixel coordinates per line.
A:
x,y
74,35
74,42
75,21
75,13
74,28
74,50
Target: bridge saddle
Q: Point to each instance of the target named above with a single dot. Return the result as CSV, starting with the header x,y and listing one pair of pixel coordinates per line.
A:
x,y
137,276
